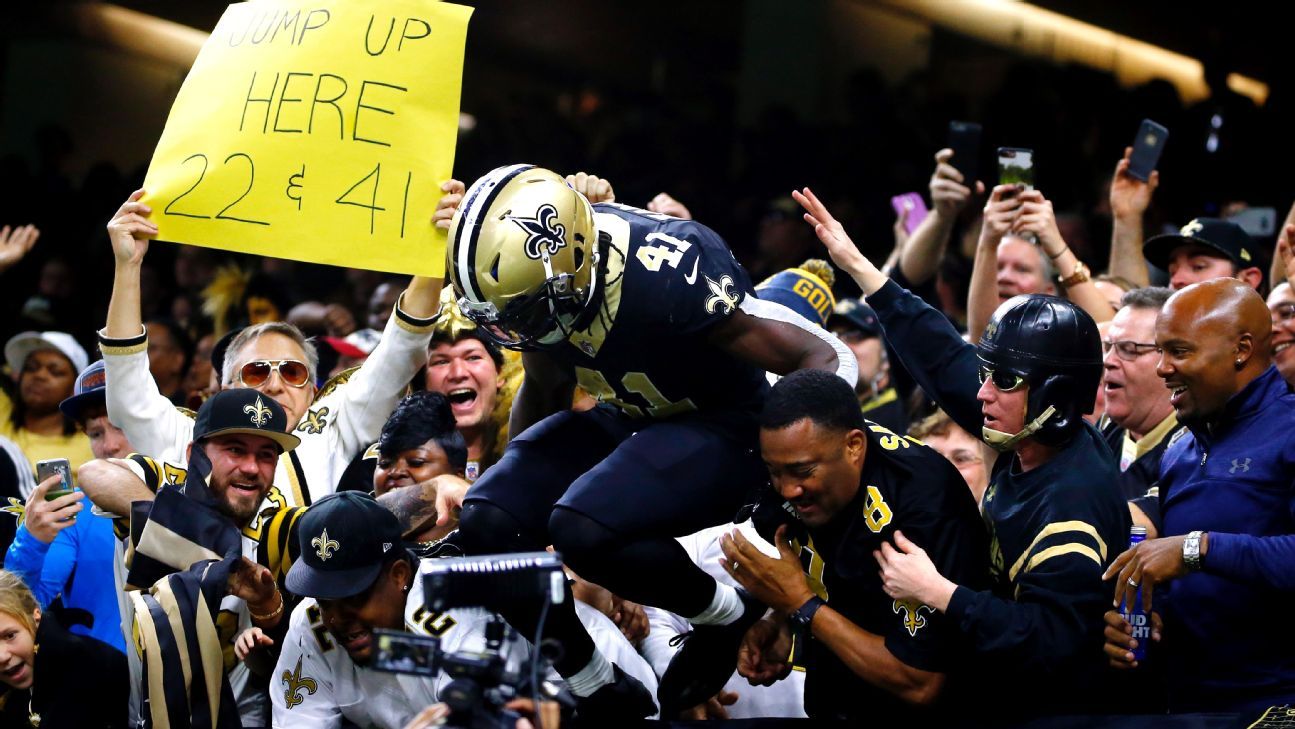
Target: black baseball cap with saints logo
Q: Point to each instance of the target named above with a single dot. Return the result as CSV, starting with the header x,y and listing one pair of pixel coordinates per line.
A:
x,y
1222,237
346,539
242,410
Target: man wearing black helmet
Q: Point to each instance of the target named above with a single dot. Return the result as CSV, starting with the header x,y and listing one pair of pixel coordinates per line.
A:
x,y
1053,506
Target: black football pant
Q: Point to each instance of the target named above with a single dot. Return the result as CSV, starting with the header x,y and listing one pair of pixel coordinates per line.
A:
x,y
610,494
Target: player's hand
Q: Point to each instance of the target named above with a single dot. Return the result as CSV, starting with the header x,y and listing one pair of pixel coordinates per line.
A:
x,y
1130,196
907,573
779,583
765,655
948,193
450,492
249,640
1146,565
1036,216
130,230
1286,250
667,205
595,189
630,618
254,584
45,519
15,243
713,709
1120,641
448,203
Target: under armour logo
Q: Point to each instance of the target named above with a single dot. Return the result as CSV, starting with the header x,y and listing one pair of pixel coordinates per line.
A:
x,y
294,682
259,412
544,236
723,297
324,547
1238,463
1191,229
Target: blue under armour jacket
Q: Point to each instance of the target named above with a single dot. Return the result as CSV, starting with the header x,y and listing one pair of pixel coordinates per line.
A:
x,y
1228,639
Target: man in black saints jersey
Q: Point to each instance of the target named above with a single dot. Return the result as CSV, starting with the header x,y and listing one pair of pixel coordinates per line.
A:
x,y
655,318
849,487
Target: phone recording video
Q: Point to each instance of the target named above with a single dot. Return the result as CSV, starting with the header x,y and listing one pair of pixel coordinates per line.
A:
x,y
1016,167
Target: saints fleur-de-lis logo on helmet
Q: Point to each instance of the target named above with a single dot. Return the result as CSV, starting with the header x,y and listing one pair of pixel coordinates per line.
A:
x,y
324,547
723,296
259,412
543,233
294,683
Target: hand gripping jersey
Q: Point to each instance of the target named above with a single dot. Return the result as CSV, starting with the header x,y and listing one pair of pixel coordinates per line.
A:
x,y
904,486
668,282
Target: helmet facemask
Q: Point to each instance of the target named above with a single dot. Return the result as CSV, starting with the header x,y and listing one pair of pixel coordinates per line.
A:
x,y
524,258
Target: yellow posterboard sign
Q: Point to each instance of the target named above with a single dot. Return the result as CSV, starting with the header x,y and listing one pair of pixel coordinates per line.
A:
x,y
316,130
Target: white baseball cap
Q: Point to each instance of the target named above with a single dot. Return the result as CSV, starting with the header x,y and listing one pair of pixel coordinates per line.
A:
x,y
20,346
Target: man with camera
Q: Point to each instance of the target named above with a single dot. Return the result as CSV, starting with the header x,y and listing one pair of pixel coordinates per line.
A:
x,y
360,579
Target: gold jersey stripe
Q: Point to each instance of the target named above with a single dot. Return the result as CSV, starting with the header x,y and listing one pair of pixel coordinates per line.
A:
x,y
1059,527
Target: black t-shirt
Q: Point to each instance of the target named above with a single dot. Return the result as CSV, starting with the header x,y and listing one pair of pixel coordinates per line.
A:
x,y
910,487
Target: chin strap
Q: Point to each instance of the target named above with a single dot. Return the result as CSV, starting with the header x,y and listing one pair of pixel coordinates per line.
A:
x,y
1001,442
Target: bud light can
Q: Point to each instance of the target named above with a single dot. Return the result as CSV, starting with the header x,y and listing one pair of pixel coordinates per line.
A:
x,y
1137,617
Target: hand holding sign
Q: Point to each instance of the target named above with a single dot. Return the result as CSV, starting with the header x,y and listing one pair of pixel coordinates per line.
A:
x,y
317,131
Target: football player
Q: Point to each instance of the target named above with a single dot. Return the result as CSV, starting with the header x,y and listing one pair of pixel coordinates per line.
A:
x,y
655,318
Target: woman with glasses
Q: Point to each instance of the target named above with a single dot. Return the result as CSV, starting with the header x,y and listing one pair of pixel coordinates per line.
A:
x,y
1281,303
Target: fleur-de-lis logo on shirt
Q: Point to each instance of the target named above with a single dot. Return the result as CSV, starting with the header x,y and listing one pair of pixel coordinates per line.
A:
x,y
723,297
912,612
17,508
315,422
324,547
294,682
259,412
543,233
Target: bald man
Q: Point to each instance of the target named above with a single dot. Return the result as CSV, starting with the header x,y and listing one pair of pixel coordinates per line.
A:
x,y
1227,495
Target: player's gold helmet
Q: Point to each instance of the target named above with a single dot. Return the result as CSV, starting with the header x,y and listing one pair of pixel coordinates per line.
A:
x,y
523,256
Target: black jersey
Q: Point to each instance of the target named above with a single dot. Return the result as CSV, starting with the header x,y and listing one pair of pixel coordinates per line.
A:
x,y
909,487
669,281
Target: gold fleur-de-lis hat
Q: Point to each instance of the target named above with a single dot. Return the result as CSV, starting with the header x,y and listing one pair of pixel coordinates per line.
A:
x,y
1211,236
346,539
247,411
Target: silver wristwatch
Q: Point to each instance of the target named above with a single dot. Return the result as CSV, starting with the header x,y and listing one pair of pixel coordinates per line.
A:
x,y
1192,551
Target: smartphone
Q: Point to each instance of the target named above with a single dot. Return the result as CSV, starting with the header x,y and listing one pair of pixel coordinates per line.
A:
x,y
1147,147
1258,222
916,206
964,140
1016,166
401,652
55,467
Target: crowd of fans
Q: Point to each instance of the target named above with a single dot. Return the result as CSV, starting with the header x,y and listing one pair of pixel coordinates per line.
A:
x,y
1083,361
